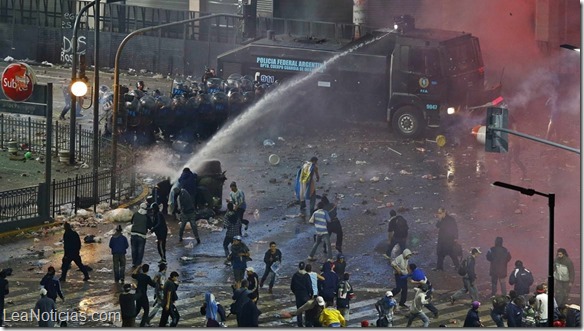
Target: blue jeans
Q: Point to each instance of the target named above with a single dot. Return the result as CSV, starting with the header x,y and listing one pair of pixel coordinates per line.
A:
x,y
401,285
269,274
327,241
396,241
420,315
138,243
468,287
497,318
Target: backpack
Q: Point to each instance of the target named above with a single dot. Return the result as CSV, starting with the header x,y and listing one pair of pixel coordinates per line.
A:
x,y
463,267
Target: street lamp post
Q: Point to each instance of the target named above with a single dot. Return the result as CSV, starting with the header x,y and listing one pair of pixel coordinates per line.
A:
x,y
551,203
116,86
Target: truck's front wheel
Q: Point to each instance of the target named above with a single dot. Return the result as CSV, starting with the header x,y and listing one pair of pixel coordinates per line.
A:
x,y
408,122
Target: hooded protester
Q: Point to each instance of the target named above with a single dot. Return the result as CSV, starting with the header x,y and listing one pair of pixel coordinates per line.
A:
x,y
188,182
564,276
385,308
313,308
329,286
44,308
340,265
417,305
185,207
253,281
71,249
400,268
213,311
119,246
499,257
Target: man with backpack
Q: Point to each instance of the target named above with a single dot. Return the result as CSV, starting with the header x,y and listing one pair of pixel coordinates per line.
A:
x,y
521,278
397,233
469,276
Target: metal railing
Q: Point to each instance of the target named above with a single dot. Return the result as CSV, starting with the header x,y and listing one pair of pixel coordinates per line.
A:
x,y
27,206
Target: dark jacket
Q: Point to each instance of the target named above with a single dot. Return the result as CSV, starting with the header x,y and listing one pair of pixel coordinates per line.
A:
x,y
3,290
241,296
522,279
53,286
140,223
514,315
128,305
249,316
472,319
253,281
71,243
447,230
143,280
186,202
159,225
329,286
118,243
301,286
499,256
45,305
470,269
344,294
188,181
399,226
277,256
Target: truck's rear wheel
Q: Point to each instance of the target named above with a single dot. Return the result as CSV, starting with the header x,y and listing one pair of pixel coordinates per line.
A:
x,y
408,122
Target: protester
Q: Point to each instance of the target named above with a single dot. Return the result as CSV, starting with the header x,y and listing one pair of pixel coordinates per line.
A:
x,y
160,229
418,278
331,317
334,225
400,268
301,286
385,308
397,233
305,187
46,309
51,283
127,301
4,290
499,257
344,296
238,257
541,306
232,223
188,181
213,311
521,278
159,279
170,298
514,312
447,239
340,265
312,309
469,278
140,225
329,286
119,245
314,278
249,315
71,250
186,209
417,305
564,276
237,197
472,319
140,274
253,284
320,218
498,310
272,259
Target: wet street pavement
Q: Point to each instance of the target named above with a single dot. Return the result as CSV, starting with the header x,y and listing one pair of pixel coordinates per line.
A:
x,y
369,173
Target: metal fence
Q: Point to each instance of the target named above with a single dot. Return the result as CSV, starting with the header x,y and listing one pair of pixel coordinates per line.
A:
x,y
28,206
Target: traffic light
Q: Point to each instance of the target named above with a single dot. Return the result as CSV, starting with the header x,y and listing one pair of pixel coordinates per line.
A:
x,y
496,141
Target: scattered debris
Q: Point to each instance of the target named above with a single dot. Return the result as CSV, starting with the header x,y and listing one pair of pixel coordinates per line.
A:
x,y
269,143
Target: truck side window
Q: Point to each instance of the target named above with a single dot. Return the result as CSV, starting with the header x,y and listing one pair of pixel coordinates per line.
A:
x,y
424,61
404,52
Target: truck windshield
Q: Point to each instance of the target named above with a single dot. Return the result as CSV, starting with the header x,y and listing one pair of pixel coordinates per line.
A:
x,y
462,56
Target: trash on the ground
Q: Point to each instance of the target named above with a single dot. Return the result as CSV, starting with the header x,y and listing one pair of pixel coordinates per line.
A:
x,y
84,166
190,245
256,214
428,176
334,155
393,150
360,162
104,269
40,263
274,159
118,215
404,172
8,59
186,258
269,143
374,179
281,139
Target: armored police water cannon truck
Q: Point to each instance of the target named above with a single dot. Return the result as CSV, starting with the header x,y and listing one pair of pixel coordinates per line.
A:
x,y
412,76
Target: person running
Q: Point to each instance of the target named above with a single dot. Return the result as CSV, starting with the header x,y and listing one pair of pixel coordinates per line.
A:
x,y
185,206
400,269
334,225
159,279
417,305
272,258
232,223
213,311
71,249
119,246
320,218
51,283
305,187
169,299
140,274
160,229
468,279
418,278
237,197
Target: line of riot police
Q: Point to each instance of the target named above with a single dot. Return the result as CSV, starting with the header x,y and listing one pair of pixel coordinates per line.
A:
x,y
193,111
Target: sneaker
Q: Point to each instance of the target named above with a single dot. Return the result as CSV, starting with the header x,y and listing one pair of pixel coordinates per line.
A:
x,y
310,258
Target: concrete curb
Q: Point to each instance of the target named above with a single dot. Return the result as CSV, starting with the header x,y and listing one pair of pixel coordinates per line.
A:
x,y
15,233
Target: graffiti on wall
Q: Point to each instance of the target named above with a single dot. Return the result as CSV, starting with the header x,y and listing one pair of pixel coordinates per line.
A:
x,y
67,44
